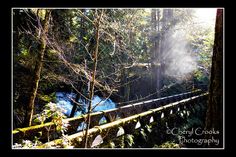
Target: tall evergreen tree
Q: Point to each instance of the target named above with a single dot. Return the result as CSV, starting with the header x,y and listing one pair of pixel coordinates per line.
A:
x,y
214,117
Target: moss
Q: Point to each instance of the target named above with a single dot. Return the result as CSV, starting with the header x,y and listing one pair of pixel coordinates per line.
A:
x,y
48,98
33,127
15,131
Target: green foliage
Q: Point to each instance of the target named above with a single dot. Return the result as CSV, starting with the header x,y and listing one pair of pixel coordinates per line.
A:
x,y
65,142
52,113
149,128
111,144
121,140
129,139
143,134
168,144
48,98
27,144
202,40
72,35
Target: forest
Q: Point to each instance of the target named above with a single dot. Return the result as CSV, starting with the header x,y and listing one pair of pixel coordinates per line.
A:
x,y
91,77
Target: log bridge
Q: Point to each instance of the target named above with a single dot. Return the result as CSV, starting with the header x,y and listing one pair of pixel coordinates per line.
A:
x,y
116,122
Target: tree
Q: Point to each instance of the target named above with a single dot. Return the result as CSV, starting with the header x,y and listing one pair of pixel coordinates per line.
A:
x,y
42,35
214,115
95,59
155,20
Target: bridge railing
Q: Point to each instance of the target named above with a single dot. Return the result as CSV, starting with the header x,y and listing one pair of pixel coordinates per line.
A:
x,y
49,132
109,131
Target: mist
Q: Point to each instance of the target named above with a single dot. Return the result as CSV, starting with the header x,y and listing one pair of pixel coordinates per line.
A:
x,y
177,56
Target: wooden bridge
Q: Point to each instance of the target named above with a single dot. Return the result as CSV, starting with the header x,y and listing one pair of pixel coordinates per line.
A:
x,y
109,125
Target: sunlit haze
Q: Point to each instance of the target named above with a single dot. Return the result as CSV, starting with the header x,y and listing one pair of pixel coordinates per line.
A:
x,y
206,15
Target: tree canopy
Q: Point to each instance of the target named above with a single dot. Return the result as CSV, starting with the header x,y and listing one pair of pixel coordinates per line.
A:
x,y
140,53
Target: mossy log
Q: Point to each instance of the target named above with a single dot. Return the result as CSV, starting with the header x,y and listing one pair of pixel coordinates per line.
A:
x,y
77,138
111,115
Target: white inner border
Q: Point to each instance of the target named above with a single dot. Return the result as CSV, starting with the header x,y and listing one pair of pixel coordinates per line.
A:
x,y
117,148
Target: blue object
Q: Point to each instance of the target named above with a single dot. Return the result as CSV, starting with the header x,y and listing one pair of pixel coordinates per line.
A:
x,y
64,101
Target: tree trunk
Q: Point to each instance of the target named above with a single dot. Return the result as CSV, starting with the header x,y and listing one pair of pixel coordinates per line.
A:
x,y
155,19
37,70
74,108
214,116
156,53
92,81
127,84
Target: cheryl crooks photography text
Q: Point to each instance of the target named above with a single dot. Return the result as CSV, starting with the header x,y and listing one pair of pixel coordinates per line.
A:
x,y
195,136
